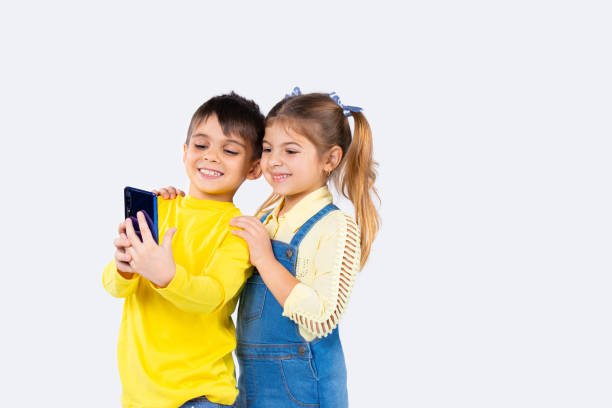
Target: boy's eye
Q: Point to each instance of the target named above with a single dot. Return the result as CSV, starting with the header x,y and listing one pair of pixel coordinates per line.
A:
x,y
231,152
267,149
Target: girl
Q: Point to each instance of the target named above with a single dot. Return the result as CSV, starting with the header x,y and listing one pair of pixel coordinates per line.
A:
x,y
289,349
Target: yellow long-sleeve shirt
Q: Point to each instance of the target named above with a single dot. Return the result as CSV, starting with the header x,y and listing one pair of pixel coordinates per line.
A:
x,y
175,343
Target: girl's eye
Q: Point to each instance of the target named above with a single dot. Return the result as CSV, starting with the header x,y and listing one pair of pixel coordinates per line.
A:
x,y
233,153
200,146
292,151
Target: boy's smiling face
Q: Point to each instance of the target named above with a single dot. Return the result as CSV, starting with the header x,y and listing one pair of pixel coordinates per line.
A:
x,y
217,164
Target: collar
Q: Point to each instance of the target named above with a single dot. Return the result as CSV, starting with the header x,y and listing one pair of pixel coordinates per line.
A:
x,y
197,204
303,210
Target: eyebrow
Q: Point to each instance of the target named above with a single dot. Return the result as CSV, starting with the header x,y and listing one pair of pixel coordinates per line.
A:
x,y
284,144
227,139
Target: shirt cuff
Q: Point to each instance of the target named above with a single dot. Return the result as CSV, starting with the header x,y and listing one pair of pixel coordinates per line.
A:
x,y
178,282
295,298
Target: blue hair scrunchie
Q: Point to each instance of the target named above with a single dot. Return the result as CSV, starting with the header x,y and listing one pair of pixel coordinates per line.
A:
x,y
296,91
347,109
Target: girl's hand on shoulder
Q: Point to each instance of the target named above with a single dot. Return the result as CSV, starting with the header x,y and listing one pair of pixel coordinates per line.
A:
x,y
256,237
169,193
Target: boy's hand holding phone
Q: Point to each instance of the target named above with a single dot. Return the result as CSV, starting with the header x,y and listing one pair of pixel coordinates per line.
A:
x,y
151,261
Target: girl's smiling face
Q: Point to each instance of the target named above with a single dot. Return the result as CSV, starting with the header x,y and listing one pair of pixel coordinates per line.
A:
x,y
291,164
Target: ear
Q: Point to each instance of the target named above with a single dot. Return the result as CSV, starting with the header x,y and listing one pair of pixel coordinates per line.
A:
x,y
184,152
254,170
334,156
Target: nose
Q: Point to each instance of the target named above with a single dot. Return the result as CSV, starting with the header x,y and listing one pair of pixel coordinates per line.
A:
x,y
211,155
274,160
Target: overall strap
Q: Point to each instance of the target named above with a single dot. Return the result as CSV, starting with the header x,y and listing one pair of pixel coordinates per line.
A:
x,y
262,219
301,233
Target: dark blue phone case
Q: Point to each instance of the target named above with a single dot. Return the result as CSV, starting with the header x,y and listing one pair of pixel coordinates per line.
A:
x,y
140,200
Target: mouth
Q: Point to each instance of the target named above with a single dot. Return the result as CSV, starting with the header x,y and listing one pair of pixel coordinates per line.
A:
x,y
280,177
210,173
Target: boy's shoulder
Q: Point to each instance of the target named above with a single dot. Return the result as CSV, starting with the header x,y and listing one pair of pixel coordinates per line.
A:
x,y
216,210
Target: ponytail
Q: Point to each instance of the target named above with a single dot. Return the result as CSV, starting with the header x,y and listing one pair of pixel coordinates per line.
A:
x,y
355,180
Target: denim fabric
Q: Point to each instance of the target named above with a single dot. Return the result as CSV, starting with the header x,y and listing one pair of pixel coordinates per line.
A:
x,y
203,402
278,368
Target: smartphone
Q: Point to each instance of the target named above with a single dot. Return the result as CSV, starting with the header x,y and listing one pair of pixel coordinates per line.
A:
x,y
135,200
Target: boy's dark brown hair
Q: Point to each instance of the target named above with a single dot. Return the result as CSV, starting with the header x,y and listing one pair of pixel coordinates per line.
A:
x,y
237,115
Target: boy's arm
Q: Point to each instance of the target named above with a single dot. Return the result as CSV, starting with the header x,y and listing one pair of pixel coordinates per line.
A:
x,y
117,285
221,281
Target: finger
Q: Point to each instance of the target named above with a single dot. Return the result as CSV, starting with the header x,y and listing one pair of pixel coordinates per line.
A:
x,y
131,234
250,223
121,242
122,256
180,192
172,192
144,228
121,228
126,239
155,192
247,218
240,224
163,193
168,236
131,252
125,267
242,234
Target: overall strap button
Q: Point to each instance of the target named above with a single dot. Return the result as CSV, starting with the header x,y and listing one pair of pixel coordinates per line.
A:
x,y
289,253
302,350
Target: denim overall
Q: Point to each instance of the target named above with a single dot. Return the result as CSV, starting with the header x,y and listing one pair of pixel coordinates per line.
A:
x,y
278,368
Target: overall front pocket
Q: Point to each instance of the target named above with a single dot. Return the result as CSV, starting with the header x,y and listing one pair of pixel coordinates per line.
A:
x,y
252,299
300,381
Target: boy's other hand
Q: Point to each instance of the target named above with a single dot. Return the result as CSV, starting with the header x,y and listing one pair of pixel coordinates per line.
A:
x,y
153,262
169,193
122,258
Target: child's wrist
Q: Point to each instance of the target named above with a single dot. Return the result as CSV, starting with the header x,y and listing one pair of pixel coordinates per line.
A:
x,y
265,263
168,278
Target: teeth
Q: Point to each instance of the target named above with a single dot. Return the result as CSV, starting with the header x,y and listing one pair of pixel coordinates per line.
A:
x,y
280,177
210,172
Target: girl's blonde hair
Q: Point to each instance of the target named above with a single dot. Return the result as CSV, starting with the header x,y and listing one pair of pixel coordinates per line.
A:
x,y
320,119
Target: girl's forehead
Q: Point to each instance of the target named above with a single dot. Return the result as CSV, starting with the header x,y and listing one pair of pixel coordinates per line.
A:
x,y
280,131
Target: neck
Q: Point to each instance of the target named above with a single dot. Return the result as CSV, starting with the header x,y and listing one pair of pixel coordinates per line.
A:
x,y
291,200
227,197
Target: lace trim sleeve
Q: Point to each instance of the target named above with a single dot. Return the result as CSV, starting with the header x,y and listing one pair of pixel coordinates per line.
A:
x,y
333,299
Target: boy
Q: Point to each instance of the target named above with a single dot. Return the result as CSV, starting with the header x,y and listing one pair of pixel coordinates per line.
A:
x,y
177,335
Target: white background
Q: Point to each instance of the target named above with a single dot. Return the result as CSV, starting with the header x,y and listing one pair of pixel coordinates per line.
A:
x,y
489,284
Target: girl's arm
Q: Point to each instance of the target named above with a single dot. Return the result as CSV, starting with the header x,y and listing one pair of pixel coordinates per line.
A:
x,y
276,277
331,260
317,302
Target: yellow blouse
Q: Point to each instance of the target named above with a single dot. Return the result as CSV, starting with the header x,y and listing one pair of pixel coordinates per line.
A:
x,y
327,263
